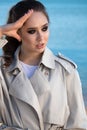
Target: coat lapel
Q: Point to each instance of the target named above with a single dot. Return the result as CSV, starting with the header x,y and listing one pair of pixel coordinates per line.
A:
x,y
40,83
22,89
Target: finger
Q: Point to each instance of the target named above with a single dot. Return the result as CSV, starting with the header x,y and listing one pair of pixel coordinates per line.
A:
x,y
17,37
18,24
25,17
28,14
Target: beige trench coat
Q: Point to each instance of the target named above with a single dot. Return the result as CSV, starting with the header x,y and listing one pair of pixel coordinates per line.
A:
x,y
51,98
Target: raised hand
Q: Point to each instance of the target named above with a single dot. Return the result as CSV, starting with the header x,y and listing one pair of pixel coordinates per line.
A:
x,y
12,28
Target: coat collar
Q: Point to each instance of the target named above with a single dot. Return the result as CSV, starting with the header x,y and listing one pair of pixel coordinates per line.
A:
x,y
15,66
48,60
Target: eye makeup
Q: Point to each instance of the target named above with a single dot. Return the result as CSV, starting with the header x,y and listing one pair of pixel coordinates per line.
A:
x,y
33,30
45,28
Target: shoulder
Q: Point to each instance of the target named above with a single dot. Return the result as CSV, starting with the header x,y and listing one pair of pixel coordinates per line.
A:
x,y
65,62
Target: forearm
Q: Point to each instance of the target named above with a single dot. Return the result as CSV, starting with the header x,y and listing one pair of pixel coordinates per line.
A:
x,y
4,29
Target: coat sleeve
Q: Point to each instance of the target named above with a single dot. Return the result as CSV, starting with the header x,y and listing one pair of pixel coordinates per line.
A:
x,y
4,127
2,42
77,117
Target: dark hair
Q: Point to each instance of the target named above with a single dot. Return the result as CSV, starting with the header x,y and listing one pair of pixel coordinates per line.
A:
x,y
15,13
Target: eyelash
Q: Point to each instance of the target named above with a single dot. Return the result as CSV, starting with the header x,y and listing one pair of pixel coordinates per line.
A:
x,y
44,29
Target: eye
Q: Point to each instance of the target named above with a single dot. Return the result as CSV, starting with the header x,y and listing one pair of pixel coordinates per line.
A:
x,y
45,28
31,31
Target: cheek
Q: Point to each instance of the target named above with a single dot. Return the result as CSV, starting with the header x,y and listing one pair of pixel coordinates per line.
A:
x,y
26,38
47,36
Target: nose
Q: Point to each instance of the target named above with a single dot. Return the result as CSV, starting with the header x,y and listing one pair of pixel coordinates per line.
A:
x,y
39,36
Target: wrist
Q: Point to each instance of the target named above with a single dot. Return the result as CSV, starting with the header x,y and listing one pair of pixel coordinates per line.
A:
x,y
2,31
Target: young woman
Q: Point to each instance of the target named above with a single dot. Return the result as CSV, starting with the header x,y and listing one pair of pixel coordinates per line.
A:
x,y
38,90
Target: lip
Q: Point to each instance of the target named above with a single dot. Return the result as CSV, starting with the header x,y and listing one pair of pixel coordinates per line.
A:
x,y
40,46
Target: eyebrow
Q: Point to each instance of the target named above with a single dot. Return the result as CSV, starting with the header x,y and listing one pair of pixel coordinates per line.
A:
x,y
36,27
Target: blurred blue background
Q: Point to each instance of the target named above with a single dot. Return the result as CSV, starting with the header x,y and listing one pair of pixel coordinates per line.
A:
x,y
68,31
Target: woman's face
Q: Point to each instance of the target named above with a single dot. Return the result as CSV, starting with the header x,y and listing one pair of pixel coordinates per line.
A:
x,y
35,33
